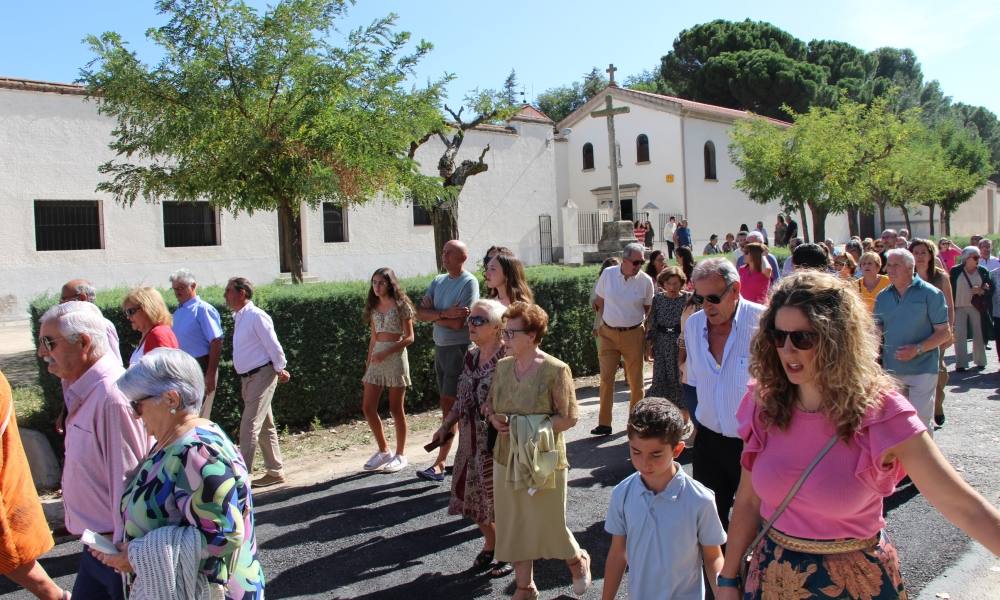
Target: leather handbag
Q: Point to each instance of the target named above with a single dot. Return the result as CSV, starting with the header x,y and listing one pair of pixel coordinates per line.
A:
x,y
978,300
748,553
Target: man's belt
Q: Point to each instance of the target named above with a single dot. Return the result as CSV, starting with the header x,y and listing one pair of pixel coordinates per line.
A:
x,y
253,371
629,328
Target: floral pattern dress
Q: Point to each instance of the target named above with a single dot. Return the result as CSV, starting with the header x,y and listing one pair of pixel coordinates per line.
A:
x,y
472,475
201,480
663,329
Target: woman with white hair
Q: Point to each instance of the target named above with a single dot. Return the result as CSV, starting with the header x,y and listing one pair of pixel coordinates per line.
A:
x,y
973,292
472,477
191,495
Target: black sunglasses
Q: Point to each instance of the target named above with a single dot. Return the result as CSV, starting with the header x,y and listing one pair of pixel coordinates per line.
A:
x,y
477,321
712,298
637,263
131,311
802,340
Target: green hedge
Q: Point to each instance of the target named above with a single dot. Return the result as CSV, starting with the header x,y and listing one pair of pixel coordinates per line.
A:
x,y
325,341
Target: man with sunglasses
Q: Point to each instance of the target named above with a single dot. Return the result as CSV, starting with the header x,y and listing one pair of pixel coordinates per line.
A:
x,y
624,294
913,316
104,439
717,340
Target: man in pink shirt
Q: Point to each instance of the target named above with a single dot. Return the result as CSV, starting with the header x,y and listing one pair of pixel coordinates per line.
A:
x,y
104,439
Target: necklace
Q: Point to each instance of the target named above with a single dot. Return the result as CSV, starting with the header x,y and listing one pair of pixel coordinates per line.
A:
x,y
806,410
178,431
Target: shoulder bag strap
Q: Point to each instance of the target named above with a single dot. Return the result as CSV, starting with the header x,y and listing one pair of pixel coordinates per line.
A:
x,y
791,494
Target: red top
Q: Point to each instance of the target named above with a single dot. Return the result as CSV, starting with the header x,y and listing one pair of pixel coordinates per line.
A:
x,y
161,336
754,285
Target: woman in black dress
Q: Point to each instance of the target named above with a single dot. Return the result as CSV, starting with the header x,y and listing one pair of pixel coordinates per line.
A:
x,y
663,329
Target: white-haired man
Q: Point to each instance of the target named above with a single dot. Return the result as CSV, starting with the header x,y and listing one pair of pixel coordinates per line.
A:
x,y
624,294
104,439
986,257
913,316
198,328
717,339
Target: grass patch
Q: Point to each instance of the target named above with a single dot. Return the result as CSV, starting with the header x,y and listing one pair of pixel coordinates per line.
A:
x,y
29,406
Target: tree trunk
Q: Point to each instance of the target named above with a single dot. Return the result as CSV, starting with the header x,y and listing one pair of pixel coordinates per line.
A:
x,y
444,219
906,217
947,222
819,222
853,224
881,214
291,226
804,229
930,219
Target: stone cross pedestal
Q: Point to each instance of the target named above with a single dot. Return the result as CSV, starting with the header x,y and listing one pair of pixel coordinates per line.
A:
x,y
615,235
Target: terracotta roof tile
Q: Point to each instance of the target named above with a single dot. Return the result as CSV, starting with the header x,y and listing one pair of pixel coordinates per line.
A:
x,y
530,113
30,85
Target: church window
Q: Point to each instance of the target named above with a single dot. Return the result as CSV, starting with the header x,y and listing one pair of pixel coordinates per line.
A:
x,y
190,224
421,216
68,225
710,172
334,223
588,156
642,148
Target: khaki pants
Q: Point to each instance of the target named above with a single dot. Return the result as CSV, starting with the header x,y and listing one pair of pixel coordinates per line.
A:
x,y
257,424
968,324
615,345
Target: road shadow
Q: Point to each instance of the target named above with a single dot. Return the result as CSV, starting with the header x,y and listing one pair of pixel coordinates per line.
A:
x,y
55,566
973,379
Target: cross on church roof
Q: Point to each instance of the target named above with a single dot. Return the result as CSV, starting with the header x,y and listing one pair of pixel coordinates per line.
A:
x,y
611,73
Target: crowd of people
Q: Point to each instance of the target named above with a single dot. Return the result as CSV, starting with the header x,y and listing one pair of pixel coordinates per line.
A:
x,y
794,446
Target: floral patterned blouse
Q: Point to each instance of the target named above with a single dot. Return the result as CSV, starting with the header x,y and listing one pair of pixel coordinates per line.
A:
x,y
201,480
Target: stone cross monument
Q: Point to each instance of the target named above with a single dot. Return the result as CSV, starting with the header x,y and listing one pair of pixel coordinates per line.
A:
x,y
615,234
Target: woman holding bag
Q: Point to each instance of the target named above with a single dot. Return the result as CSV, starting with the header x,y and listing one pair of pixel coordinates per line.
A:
x,y
840,431
973,291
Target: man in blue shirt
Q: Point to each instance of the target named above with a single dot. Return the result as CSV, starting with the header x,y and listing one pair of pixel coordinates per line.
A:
x,y
198,328
913,316
683,234
446,304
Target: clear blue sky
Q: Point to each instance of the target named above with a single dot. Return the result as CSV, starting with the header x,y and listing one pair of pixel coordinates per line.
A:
x,y
553,43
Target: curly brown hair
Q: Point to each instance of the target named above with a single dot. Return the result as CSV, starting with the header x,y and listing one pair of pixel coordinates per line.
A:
x,y
534,317
847,350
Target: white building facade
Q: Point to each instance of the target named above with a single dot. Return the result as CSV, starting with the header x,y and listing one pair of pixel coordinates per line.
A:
x,y
56,227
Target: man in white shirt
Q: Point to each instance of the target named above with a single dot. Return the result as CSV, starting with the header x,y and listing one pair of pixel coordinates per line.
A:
x,y
670,234
624,295
718,339
987,259
260,362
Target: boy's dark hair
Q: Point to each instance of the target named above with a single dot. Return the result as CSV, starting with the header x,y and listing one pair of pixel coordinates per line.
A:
x,y
655,417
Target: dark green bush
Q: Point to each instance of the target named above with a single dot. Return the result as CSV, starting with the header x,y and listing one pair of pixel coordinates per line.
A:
x,y
325,341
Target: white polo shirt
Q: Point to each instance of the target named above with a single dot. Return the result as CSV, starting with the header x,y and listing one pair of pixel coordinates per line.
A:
x,y
625,300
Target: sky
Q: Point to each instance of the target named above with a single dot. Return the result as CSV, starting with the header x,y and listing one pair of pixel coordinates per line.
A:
x,y
552,43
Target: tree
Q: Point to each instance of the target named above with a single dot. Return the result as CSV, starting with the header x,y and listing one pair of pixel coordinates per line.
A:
x,y
559,102
257,111
648,81
848,68
441,198
968,166
987,127
897,73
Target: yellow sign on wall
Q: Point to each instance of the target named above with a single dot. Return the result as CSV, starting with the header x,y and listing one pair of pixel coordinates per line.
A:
x,y
670,178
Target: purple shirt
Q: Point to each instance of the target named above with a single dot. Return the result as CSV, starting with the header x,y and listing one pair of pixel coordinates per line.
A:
x,y
105,442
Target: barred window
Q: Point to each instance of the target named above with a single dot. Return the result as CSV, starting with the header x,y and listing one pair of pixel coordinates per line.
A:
x,y
642,148
68,225
334,223
588,156
710,172
190,224
421,216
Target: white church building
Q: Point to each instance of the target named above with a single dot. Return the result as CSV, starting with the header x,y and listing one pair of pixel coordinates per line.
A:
x,y
545,196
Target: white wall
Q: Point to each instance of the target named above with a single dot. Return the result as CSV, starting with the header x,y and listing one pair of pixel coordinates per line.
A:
x,y
51,145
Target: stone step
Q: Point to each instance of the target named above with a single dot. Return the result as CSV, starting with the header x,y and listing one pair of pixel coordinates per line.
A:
x,y
286,278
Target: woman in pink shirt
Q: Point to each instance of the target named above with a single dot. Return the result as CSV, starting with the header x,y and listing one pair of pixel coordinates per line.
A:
x,y
947,252
755,273
829,543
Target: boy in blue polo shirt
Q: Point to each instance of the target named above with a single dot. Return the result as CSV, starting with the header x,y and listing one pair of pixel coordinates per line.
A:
x,y
664,525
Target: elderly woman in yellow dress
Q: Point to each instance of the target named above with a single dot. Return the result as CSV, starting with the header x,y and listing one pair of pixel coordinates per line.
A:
x,y
532,402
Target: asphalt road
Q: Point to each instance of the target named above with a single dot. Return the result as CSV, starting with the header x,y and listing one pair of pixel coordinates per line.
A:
x,y
378,536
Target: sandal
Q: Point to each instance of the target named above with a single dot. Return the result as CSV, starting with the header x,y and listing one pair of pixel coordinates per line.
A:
x,y
501,569
580,569
532,593
483,560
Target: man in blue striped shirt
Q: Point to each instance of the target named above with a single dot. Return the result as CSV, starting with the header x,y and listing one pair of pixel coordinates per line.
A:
x,y
717,339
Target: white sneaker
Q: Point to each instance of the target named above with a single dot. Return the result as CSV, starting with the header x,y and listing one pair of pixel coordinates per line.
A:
x,y
398,463
377,461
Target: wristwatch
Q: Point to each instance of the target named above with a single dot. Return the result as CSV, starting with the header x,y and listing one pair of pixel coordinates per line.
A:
x,y
920,349
732,582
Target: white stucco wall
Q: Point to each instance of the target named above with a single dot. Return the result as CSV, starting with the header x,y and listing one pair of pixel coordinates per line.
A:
x,y
51,145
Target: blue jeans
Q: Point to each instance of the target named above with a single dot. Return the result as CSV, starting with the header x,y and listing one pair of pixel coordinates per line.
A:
x,y
97,581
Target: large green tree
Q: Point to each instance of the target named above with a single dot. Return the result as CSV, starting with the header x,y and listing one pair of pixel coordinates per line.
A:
x,y
987,128
258,111
848,68
559,102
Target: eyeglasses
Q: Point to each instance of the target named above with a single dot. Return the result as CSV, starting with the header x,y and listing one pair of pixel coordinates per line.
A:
x,y
712,298
49,342
131,311
135,403
637,263
801,340
477,321
509,333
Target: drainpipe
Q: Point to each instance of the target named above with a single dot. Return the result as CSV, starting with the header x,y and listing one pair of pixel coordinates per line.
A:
x,y
684,178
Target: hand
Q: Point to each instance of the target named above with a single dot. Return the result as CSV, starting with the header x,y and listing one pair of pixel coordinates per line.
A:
x,y
426,302
210,380
438,437
500,423
907,352
456,312
978,291
118,562
60,426
284,376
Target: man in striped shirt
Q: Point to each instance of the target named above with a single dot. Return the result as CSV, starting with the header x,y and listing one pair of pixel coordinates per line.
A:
x,y
717,339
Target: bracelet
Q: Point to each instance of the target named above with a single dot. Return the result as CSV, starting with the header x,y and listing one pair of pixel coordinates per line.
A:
x,y
732,582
